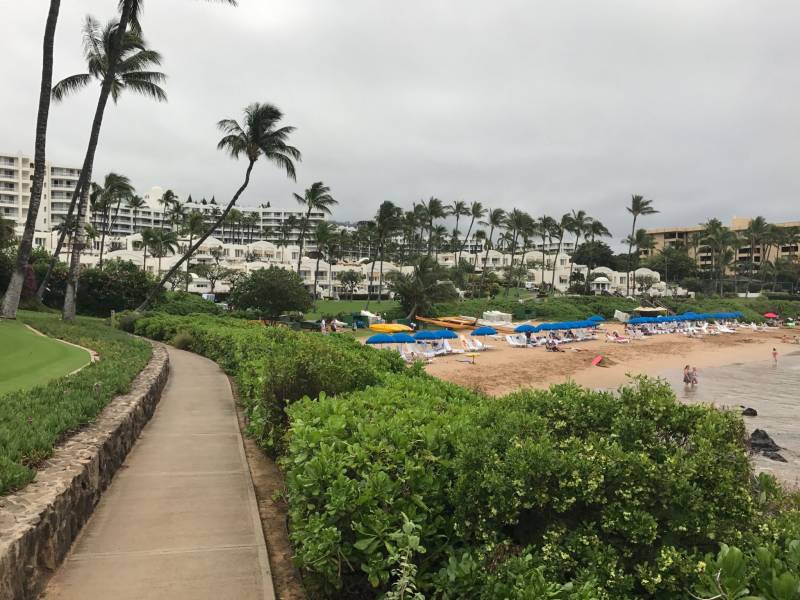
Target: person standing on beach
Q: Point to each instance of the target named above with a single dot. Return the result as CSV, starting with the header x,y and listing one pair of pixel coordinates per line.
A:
x,y
774,356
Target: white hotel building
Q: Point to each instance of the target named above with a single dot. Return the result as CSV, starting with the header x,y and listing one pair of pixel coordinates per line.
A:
x,y
16,174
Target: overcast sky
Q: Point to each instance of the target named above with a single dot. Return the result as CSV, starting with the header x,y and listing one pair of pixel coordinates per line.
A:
x,y
544,106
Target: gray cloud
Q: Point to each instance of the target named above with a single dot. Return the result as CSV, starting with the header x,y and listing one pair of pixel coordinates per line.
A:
x,y
544,106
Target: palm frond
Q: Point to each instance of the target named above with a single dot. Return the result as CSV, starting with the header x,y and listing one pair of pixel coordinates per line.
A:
x,y
230,126
138,61
70,84
285,162
233,144
144,87
92,37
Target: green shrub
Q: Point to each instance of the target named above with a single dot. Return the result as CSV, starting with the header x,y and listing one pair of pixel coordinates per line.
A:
x,y
275,366
183,340
119,285
610,495
126,321
183,303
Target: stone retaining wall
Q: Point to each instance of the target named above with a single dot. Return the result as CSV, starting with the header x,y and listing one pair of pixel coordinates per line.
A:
x,y
39,523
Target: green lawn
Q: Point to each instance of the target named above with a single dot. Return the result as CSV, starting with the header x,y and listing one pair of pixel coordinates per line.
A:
x,y
33,419
335,307
28,359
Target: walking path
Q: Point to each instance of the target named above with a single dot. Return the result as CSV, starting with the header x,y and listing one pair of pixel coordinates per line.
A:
x,y
180,520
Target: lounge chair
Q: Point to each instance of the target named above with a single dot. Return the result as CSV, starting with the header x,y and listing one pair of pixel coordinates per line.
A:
x,y
617,339
479,345
515,342
450,349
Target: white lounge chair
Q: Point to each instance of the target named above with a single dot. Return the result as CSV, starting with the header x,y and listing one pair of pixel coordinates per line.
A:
x,y
515,342
479,345
450,349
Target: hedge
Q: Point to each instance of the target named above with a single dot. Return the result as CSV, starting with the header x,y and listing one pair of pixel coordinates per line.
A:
x,y
274,366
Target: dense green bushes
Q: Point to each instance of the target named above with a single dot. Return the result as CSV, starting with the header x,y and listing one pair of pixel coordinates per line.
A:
x,y
397,481
274,366
618,494
33,421
184,303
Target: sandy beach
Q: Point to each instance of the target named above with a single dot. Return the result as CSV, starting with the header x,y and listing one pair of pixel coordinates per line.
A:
x,y
505,369
735,370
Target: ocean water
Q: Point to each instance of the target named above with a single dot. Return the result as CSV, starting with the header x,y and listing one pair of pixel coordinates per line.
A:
x,y
772,389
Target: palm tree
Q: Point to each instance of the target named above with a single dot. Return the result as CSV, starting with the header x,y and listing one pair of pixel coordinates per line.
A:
x,y
285,230
457,209
115,188
6,232
14,290
544,229
594,230
194,225
148,240
121,60
323,233
387,222
516,222
639,207
135,204
167,200
496,219
578,225
432,210
476,211
439,237
258,136
755,232
317,197
164,242
560,229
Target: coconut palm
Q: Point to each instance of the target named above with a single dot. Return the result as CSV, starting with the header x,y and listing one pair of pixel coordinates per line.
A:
x,y
457,209
120,59
14,290
148,239
642,241
316,198
496,219
639,207
388,221
430,211
194,225
578,225
258,136
322,234
476,212
594,230
517,223
135,204
163,243
544,229
167,200
560,229
114,190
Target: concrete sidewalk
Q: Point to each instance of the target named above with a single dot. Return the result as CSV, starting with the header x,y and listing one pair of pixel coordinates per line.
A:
x,y
180,519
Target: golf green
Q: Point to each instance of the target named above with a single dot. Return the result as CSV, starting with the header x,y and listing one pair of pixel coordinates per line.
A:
x,y
28,359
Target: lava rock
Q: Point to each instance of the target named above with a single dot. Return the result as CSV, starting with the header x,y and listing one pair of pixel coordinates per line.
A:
x,y
761,442
749,412
775,456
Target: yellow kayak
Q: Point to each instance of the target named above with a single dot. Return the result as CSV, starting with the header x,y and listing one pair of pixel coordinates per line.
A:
x,y
389,327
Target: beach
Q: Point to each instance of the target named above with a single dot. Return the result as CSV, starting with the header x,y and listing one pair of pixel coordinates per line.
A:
x,y
735,369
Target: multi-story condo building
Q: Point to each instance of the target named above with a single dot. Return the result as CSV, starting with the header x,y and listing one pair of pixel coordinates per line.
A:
x,y
16,174
691,238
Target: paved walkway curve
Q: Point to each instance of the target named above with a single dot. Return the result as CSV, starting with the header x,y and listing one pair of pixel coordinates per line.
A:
x,y
180,520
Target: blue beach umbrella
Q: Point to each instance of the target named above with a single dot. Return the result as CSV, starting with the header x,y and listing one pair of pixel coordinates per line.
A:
x,y
596,318
446,334
380,338
423,335
527,328
402,338
484,331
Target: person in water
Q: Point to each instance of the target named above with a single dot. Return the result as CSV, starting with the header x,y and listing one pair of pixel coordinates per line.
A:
x,y
775,356
687,375
694,376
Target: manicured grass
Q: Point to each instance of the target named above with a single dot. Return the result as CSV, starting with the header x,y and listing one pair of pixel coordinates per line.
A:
x,y
28,359
33,421
335,307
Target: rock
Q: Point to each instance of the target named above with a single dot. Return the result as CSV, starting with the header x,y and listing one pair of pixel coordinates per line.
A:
x,y
749,412
761,442
775,456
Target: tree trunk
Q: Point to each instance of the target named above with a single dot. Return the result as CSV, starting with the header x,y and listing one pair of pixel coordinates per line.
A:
x,y
303,238
380,277
486,257
466,237
555,261
369,284
630,247
316,270
571,262
188,264
14,291
70,298
192,249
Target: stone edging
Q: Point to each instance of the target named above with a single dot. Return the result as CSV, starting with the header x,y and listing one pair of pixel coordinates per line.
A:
x,y
39,522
